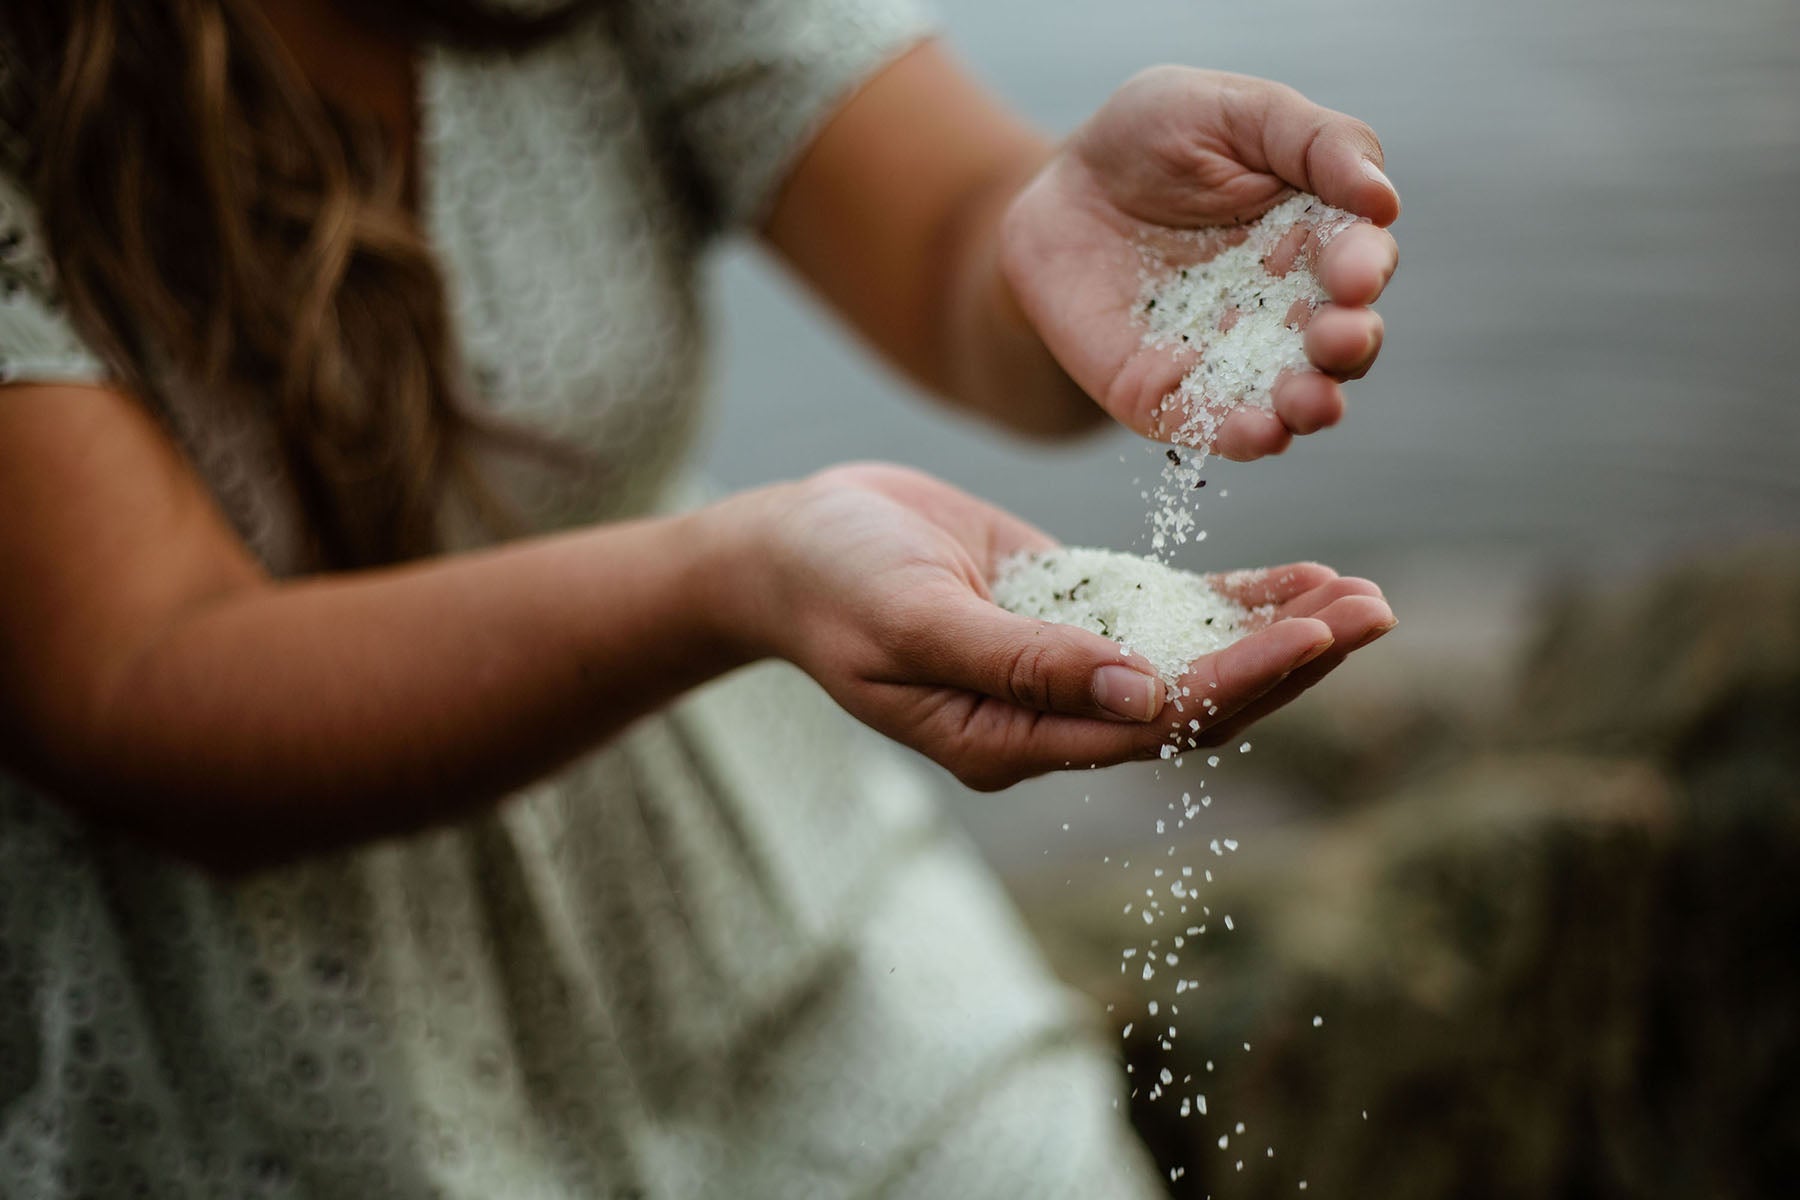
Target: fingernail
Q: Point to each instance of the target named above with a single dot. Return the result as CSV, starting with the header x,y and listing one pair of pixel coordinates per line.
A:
x,y
1126,693
1375,633
1374,172
1311,652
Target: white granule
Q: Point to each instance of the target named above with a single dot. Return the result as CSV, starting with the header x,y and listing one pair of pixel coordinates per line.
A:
x,y
1189,306
1169,616
1245,324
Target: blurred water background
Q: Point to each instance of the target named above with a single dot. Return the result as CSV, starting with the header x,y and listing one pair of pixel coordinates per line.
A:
x,y
1585,384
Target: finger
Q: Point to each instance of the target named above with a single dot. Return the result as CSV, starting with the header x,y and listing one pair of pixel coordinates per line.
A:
x,y
1343,342
1031,664
1220,684
1307,401
1358,621
1336,157
1257,586
991,745
1248,432
1356,264
1315,600
1140,389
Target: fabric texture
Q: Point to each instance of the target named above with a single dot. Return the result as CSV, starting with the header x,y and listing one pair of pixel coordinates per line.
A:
x,y
735,952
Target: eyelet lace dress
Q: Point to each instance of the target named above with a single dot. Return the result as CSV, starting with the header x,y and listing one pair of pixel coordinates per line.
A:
x,y
735,952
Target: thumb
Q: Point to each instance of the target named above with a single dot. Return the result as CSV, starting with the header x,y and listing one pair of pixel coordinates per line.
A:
x,y
1334,156
979,647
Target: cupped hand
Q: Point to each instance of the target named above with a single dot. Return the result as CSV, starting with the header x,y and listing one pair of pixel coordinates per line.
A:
x,y
1178,150
877,587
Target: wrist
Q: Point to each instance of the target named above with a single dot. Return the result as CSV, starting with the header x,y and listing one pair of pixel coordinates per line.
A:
x,y
1004,366
735,581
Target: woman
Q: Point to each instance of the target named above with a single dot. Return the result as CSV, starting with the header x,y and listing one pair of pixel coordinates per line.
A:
x,y
349,355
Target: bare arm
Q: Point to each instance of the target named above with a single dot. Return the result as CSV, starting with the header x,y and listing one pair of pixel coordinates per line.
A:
x,y
890,216
152,671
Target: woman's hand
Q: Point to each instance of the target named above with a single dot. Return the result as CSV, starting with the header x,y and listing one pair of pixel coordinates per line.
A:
x,y
1184,149
878,589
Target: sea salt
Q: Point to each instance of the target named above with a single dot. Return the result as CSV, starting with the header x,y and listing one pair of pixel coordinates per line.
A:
x,y
1170,617
1244,323
1243,320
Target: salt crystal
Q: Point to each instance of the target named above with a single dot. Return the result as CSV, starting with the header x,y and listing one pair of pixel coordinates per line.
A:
x,y
1170,617
1185,304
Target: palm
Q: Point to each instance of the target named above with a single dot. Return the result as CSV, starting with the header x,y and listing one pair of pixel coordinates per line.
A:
x,y
895,623
1174,153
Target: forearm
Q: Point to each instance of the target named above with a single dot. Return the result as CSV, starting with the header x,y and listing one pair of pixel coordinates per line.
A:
x,y
893,217
293,717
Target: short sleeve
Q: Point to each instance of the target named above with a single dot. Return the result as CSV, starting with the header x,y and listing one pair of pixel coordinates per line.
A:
x,y
747,83
36,339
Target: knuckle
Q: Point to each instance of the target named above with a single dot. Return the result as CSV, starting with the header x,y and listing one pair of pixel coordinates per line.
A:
x,y
1359,134
1026,676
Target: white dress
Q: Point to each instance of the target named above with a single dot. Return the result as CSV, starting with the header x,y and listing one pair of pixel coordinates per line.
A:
x,y
735,952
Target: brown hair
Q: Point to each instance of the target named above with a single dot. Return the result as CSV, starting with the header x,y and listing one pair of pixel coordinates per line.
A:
x,y
208,212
